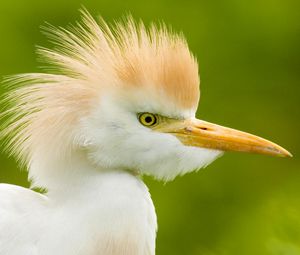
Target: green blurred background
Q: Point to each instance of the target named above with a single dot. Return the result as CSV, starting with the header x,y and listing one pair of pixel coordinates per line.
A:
x,y
249,55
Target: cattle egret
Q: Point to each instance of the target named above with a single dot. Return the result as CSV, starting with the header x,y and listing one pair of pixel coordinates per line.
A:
x,y
117,102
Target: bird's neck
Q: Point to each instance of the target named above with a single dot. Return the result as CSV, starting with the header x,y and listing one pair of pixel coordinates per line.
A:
x,y
113,206
66,175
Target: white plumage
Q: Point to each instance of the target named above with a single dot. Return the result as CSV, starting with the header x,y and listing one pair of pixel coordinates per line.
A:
x,y
119,103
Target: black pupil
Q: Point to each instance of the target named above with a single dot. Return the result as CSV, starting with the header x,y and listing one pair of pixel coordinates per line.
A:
x,y
148,119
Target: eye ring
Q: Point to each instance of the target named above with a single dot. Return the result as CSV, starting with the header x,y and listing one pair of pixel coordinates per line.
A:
x,y
147,119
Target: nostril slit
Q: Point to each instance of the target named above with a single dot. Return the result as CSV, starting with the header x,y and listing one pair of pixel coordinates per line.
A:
x,y
203,128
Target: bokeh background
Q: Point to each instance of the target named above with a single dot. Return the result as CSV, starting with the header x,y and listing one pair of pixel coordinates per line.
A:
x,y
249,56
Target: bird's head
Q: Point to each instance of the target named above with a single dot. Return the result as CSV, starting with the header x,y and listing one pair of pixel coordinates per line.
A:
x,y
123,96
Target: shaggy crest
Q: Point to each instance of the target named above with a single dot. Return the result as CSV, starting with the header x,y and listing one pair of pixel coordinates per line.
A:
x,y
42,109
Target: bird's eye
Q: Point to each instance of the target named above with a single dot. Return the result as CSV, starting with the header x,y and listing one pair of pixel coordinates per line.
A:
x,y
147,119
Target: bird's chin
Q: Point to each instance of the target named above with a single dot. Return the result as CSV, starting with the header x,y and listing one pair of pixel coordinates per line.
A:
x,y
189,159
202,157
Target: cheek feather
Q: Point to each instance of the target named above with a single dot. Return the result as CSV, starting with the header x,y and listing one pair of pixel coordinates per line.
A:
x,y
168,158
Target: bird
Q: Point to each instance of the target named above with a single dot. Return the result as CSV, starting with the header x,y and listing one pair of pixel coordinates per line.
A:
x,y
115,102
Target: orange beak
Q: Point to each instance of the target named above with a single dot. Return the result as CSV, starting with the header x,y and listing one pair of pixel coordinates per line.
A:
x,y
194,132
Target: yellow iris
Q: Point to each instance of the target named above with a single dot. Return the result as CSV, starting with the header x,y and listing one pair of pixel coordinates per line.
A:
x,y
147,119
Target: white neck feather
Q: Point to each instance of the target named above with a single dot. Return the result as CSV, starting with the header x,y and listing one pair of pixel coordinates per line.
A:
x,y
113,206
61,174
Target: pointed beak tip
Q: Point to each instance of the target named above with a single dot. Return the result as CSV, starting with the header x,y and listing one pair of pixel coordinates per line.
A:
x,y
288,155
281,152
